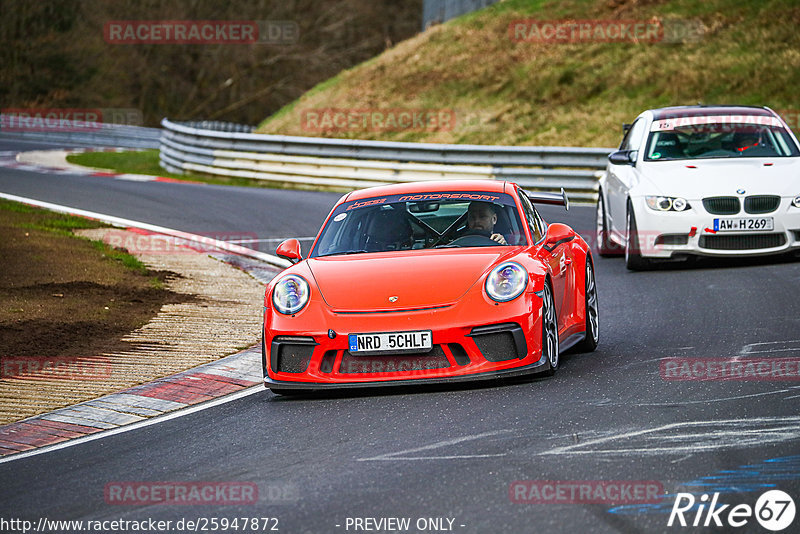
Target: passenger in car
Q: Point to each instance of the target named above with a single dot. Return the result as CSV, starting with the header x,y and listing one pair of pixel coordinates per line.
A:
x,y
388,229
669,146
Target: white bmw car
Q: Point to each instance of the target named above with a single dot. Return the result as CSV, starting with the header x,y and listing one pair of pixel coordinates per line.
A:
x,y
701,180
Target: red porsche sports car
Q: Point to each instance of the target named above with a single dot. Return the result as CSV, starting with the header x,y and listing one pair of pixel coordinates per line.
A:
x,y
429,282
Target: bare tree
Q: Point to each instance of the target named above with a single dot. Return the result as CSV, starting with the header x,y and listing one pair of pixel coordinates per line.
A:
x,y
54,54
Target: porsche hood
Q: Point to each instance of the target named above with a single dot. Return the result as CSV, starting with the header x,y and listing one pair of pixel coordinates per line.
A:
x,y
385,281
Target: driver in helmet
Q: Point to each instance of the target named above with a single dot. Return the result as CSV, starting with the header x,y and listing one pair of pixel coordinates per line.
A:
x,y
745,140
481,218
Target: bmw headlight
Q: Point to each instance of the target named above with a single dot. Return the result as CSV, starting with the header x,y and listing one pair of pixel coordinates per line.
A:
x,y
666,203
796,201
506,282
290,294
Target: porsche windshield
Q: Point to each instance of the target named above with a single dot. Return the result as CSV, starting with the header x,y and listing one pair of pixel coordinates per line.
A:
x,y
718,137
421,221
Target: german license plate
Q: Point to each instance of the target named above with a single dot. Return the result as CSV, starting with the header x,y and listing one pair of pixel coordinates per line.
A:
x,y
743,224
390,342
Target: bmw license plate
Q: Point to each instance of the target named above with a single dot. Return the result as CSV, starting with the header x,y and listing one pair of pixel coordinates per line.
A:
x,y
391,342
743,224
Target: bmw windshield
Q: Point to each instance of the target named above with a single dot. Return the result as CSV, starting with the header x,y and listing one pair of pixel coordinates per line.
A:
x,y
421,221
698,137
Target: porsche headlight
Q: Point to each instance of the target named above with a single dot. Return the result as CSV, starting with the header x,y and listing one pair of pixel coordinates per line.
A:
x,y
506,282
290,294
796,201
667,203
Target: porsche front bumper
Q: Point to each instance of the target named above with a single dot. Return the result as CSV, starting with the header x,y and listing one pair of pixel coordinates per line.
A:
x,y
473,339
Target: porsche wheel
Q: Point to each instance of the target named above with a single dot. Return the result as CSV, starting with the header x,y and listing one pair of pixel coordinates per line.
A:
x,y
605,247
592,312
633,253
549,330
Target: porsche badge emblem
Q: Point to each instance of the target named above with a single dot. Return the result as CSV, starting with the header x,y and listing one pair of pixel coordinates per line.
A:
x,y
393,299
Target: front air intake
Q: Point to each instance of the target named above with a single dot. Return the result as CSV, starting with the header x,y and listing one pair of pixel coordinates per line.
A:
x,y
722,205
672,239
761,203
742,242
414,363
500,342
291,354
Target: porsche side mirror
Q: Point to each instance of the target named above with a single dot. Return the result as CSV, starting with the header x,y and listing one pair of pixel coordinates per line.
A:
x,y
290,250
622,157
556,234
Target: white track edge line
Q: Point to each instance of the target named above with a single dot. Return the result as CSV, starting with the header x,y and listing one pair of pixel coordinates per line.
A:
x,y
127,223
117,221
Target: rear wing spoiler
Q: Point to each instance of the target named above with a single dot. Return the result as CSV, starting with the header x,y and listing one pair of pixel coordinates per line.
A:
x,y
542,197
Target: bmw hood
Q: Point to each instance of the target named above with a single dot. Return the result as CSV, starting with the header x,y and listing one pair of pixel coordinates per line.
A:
x,y
695,179
407,280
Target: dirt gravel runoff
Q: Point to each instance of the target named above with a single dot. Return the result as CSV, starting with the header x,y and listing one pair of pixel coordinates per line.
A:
x,y
72,330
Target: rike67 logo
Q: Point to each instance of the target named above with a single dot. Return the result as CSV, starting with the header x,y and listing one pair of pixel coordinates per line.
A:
x,y
774,510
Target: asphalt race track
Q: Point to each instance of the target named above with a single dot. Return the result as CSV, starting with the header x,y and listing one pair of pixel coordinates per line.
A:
x,y
456,453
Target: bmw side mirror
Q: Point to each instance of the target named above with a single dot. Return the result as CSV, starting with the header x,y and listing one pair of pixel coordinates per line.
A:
x,y
622,157
290,250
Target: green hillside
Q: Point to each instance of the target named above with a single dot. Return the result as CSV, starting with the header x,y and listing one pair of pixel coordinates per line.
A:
x,y
502,91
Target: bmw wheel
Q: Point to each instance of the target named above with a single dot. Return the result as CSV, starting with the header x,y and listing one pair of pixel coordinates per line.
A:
x,y
605,247
633,253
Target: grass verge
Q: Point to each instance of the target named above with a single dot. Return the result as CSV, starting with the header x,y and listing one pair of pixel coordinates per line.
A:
x,y
64,295
146,162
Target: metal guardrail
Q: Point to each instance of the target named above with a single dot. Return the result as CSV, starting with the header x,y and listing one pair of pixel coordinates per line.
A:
x,y
438,11
95,135
346,163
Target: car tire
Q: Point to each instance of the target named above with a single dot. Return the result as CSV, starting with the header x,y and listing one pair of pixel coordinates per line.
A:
x,y
591,311
633,254
550,347
605,247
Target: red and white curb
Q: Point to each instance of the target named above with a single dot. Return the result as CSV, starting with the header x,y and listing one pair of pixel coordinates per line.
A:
x,y
224,380
55,162
202,387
